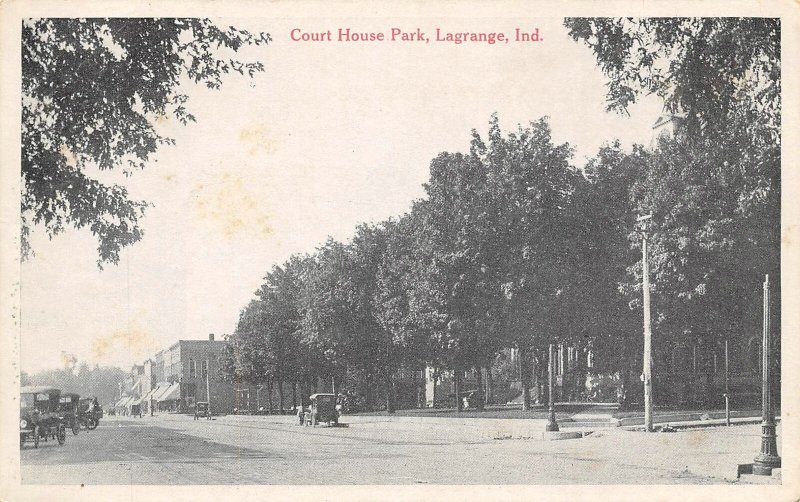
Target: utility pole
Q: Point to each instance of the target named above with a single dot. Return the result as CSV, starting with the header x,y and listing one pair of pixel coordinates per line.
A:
x,y
208,386
768,459
647,375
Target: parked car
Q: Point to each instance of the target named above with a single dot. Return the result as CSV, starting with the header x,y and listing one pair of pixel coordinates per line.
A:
x,y
68,405
201,409
323,409
90,412
39,416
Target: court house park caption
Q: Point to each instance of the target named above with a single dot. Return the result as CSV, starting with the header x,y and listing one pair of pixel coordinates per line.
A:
x,y
416,35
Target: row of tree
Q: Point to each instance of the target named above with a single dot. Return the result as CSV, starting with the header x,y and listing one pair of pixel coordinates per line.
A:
x,y
513,246
100,382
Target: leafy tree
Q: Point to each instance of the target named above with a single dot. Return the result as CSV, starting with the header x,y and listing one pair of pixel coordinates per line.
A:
x,y
460,240
606,213
531,184
715,233
246,356
706,67
377,353
329,326
266,348
402,302
91,92
714,189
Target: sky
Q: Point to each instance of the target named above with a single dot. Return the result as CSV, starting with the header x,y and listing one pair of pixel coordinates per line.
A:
x,y
330,135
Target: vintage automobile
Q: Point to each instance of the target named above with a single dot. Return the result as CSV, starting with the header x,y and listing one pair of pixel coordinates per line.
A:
x,y
39,416
90,412
323,409
201,409
68,408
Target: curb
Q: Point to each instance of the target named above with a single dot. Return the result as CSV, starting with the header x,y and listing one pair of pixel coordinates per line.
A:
x,y
699,424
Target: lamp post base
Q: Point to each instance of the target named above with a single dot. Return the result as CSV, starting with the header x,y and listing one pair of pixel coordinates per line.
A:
x,y
551,426
768,459
763,465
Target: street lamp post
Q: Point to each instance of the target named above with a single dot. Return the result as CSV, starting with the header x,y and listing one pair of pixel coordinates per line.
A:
x,y
768,459
648,351
727,394
552,425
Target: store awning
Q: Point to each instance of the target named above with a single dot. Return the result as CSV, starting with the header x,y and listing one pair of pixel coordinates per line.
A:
x,y
160,389
146,397
172,393
125,401
137,400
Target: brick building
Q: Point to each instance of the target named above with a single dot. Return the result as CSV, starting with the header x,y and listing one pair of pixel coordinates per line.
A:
x,y
176,378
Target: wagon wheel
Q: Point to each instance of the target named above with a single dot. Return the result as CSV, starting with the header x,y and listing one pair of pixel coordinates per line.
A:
x,y
61,434
36,436
92,425
76,427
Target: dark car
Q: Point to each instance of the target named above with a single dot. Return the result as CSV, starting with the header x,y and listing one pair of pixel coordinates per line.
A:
x,y
90,412
323,409
68,405
202,409
39,416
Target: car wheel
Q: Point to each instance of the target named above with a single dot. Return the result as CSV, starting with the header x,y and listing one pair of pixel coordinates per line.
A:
x,y
36,437
92,425
61,435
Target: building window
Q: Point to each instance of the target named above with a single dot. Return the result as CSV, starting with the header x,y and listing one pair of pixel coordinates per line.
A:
x,y
192,369
204,369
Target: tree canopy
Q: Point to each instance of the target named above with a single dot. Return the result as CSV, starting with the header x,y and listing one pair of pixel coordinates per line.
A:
x,y
91,91
705,67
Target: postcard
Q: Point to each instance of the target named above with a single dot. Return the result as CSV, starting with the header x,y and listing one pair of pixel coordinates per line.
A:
x,y
417,251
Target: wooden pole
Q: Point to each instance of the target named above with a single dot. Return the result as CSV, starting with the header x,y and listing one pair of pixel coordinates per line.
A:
x,y
648,358
208,386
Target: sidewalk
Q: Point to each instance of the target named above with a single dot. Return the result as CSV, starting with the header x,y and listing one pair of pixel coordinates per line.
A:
x,y
574,422
573,416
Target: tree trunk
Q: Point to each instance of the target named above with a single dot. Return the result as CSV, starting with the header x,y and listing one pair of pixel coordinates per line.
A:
x,y
280,396
523,373
435,382
269,395
479,395
415,381
489,398
457,388
302,388
294,395
535,381
624,399
390,405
